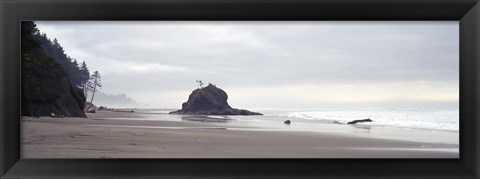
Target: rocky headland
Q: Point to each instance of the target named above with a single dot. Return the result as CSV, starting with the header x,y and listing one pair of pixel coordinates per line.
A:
x,y
46,89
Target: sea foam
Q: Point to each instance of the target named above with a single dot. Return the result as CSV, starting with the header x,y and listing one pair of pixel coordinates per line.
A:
x,y
438,120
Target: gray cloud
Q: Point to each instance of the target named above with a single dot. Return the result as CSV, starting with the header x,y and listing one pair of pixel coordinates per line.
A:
x,y
170,56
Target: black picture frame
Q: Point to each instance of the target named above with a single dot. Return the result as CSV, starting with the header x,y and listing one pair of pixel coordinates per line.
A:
x,y
467,12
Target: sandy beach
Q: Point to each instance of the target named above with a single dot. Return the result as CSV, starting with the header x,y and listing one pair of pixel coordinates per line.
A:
x,y
109,134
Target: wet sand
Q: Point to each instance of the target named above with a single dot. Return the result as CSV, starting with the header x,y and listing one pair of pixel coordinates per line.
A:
x,y
99,136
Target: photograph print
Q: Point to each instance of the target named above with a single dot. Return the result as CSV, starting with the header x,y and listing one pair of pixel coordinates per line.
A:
x,y
239,89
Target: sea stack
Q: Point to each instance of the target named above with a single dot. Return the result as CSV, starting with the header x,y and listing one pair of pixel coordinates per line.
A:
x,y
210,100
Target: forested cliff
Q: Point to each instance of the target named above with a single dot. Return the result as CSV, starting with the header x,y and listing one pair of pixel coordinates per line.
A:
x,y
51,82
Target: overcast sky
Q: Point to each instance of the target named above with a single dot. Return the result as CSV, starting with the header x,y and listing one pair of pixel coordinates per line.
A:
x,y
309,65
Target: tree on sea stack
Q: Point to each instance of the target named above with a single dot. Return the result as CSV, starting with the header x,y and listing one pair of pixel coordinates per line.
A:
x,y
200,83
96,78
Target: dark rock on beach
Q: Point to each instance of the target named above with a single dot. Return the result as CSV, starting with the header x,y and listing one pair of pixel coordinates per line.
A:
x,y
210,100
361,120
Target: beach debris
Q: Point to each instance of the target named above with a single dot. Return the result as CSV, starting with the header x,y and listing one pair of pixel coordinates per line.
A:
x,y
287,122
91,110
360,120
90,107
210,100
56,116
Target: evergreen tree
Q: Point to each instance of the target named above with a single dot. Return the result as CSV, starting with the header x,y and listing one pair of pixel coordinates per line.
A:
x,y
96,79
29,42
88,88
87,85
78,74
70,65
75,73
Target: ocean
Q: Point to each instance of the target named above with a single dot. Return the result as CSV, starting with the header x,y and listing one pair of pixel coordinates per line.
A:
x,y
447,120
427,119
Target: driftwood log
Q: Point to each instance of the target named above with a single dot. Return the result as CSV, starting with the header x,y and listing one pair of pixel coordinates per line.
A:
x,y
360,120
